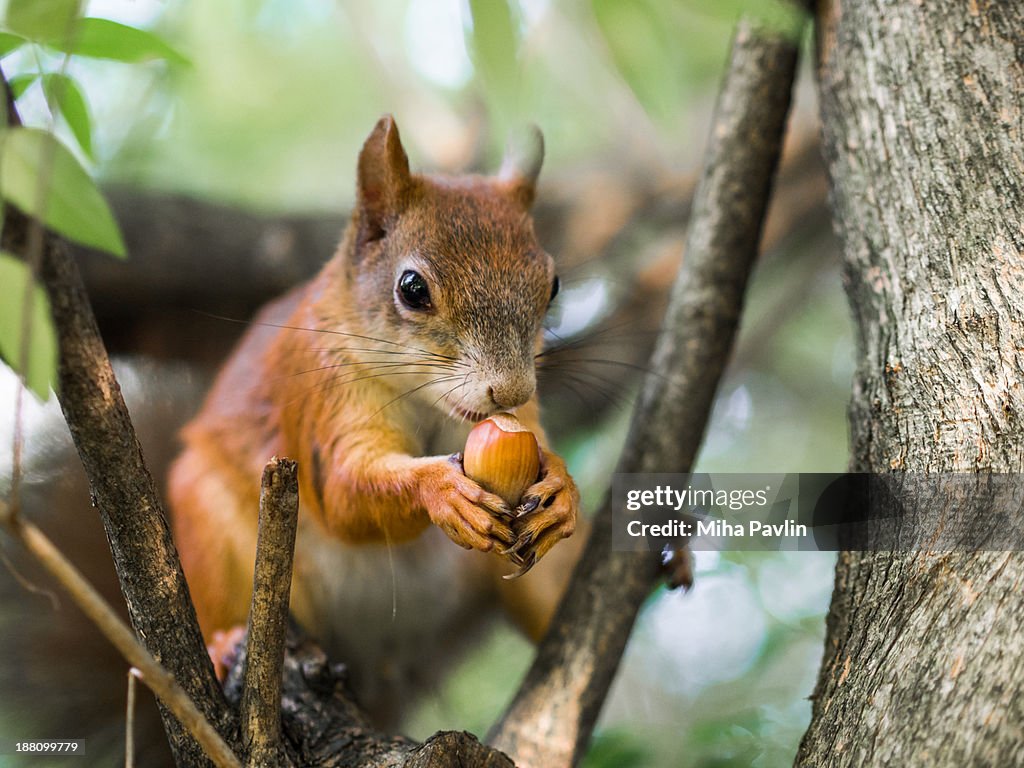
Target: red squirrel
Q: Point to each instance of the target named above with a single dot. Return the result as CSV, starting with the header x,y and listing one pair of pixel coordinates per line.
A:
x,y
427,319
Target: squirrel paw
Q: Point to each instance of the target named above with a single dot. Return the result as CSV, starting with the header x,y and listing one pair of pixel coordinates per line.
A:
x,y
223,649
677,566
547,513
472,517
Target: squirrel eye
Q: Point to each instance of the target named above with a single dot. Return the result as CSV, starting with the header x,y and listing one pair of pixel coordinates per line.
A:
x,y
554,289
413,290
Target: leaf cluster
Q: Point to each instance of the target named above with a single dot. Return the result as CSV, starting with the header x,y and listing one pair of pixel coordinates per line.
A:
x,y
43,177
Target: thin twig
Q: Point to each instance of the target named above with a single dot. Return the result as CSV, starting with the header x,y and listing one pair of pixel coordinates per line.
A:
x,y
268,615
552,715
120,635
129,719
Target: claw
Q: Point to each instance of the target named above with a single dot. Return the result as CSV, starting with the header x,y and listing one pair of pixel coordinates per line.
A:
x,y
524,541
517,559
504,512
500,540
528,506
523,570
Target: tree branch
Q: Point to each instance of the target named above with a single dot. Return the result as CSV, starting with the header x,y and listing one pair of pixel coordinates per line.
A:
x,y
123,490
323,726
550,720
260,711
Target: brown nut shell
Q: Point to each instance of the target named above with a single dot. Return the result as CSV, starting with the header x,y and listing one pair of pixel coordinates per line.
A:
x,y
503,456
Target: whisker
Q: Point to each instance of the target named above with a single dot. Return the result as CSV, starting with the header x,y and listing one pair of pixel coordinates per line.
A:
x,y
605,361
589,338
368,350
465,381
596,383
444,396
614,398
563,381
340,380
410,392
459,407
373,350
601,335
319,330
371,367
439,399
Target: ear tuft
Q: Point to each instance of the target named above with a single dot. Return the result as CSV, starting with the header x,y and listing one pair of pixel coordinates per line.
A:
x,y
382,179
524,155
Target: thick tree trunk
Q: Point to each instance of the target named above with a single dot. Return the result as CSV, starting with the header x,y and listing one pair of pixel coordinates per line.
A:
x,y
922,113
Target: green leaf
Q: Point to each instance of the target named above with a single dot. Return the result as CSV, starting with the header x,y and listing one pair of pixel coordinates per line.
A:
x,y
40,176
41,371
21,83
43,19
105,39
779,16
64,92
10,42
639,36
495,44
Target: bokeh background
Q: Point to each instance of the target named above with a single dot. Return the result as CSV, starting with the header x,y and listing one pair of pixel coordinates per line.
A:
x,y
268,115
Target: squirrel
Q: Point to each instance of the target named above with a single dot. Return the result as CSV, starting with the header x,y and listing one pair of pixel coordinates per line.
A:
x,y
427,319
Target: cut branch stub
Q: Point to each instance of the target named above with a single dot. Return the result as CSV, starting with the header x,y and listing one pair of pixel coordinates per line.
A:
x,y
260,711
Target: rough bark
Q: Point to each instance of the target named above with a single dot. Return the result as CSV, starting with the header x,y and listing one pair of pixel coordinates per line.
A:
x,y
322,726
260,708
922,113
551,718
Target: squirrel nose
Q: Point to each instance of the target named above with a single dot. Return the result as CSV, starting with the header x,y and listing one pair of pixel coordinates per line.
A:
x,y
511,394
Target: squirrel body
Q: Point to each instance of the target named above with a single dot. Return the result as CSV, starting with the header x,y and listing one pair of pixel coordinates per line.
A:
x,y
427,319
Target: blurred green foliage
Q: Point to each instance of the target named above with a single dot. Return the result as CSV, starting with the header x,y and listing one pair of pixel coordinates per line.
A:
x,y
62,91
43,178
42,19
494,43
40,354
281,91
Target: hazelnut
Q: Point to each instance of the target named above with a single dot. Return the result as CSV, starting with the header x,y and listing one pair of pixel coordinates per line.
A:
x,y
502,456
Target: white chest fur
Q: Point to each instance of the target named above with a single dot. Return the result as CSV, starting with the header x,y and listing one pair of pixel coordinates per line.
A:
x,y
393,613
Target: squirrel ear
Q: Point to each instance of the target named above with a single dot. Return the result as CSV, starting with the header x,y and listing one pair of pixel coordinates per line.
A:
x,y
524,155
383,178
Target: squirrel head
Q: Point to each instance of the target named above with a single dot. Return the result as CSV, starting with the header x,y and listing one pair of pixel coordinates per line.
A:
x,y
448,270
